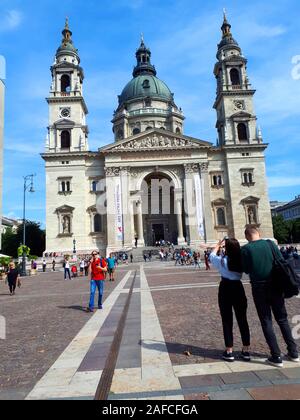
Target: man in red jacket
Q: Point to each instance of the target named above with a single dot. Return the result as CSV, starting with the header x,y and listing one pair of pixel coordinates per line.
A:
x,y
98,270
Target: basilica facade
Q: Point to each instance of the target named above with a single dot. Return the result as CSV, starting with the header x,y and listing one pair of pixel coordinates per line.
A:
x,y
153,182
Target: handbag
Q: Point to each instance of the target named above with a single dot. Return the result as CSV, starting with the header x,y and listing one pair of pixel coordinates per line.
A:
x,y
284,278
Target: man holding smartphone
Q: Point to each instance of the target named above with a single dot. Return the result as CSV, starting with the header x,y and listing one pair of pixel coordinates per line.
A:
x,y
98,270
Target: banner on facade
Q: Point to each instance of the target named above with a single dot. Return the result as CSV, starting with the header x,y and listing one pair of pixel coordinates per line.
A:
x,y
119,208
199,206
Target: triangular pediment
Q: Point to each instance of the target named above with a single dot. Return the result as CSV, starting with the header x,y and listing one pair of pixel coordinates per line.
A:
x,y
156,140
64,123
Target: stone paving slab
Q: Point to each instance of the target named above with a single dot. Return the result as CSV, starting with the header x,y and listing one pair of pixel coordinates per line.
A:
x,y
237,395
276,393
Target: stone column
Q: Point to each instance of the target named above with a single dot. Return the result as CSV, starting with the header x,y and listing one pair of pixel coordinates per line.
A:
x,y
112,243
140,225
210,236
190,204
181,239
127,207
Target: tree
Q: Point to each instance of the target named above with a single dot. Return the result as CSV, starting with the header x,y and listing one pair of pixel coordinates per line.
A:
x,y
281,230
35,239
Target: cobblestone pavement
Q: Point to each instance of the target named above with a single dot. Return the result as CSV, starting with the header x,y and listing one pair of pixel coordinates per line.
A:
x,y
42,319
170,347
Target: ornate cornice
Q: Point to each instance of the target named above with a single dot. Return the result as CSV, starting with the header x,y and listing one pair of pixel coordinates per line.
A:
x,y
112,171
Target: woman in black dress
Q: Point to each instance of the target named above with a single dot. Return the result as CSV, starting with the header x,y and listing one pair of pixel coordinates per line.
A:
x,y
13,278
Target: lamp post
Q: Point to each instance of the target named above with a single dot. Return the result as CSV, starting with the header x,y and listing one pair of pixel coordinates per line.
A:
x,y
28,186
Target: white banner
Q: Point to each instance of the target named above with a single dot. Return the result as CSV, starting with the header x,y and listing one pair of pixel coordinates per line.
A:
x,y
119,210
199,206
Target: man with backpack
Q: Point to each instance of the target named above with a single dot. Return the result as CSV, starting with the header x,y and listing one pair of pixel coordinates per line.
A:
x,y
98,270
259,258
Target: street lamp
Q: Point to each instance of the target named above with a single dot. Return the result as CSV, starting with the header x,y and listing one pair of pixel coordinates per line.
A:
x,y
28,186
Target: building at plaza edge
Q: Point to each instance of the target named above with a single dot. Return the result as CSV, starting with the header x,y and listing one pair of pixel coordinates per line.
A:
x,y
103,199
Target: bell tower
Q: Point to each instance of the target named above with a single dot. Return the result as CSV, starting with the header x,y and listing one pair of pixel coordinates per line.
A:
x,y
67,131
236,119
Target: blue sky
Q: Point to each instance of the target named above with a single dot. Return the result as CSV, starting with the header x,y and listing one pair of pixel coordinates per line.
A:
x,y
183,35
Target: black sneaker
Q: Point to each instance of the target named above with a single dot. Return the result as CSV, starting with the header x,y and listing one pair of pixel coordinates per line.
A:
x,y
245,356
293,357
228,357
275,361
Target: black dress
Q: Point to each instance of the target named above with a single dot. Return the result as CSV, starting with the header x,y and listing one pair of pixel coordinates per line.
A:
x,y
12,277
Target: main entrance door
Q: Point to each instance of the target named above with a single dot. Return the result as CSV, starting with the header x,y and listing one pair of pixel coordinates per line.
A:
x,y
158,233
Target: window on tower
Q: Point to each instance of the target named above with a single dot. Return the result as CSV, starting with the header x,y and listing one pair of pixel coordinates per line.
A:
x,y
65,84
136,131
242,132
65,140
235,77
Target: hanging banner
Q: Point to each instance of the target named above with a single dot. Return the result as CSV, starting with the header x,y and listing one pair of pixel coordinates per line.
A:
x,y
119,210
199,206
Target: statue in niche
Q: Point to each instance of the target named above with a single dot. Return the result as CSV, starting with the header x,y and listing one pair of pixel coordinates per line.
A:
x,y
66,225
251,216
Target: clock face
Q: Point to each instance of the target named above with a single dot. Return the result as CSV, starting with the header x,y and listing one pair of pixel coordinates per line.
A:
x,y
65,113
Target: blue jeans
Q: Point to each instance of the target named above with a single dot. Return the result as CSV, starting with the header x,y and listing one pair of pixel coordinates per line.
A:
x,y
96,284
67,273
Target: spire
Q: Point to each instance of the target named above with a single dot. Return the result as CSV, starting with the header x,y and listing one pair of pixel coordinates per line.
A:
x,y
143,56
227,39
67,42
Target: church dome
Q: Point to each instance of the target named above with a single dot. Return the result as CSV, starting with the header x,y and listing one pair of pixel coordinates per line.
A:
x,y
146,86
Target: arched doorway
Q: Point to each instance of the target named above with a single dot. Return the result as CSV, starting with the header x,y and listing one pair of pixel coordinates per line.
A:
x,y
160,219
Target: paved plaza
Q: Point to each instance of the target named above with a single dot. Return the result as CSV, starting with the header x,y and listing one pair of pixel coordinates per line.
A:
x,y
170,344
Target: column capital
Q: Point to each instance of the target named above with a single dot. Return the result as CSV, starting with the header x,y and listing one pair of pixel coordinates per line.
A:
x,y
112,171
204,167
191,168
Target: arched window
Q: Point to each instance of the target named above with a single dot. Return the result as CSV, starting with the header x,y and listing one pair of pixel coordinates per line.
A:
x,y
148,128
136,131
242,132
221,217
246,178
65,140
178,131
97,223
235,77
63,186
66,84
215,181
220,180
250,177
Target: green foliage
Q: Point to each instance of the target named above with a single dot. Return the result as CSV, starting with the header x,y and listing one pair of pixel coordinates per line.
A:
x,y
35,240
286,232
4,261
23,249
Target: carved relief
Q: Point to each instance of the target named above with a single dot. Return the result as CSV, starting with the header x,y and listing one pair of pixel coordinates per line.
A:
x,y
204,167
156,142
239,105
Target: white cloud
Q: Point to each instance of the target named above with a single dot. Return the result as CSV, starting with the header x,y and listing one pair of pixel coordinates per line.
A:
x,y
11,20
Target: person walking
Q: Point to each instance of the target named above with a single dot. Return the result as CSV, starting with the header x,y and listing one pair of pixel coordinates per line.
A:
x,y
111,266
53,265
258,262
44,266
131,258
13,278
67,269
232,296
86,267
98,270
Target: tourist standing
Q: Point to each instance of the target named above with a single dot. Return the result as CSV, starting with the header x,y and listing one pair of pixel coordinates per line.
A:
x,y
98,270
13,279
53,265
67,269
131,258
232,296
82,265
86,267
207,261
44,266
258,262
111,266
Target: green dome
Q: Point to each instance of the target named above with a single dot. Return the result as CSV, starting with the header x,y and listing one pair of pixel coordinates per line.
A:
x,y
68,47
146,86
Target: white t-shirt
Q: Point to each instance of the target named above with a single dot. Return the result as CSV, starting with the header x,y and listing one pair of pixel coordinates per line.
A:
x,y
67,264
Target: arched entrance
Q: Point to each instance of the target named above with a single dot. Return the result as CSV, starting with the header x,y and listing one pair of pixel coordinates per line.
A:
x,y
162,214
